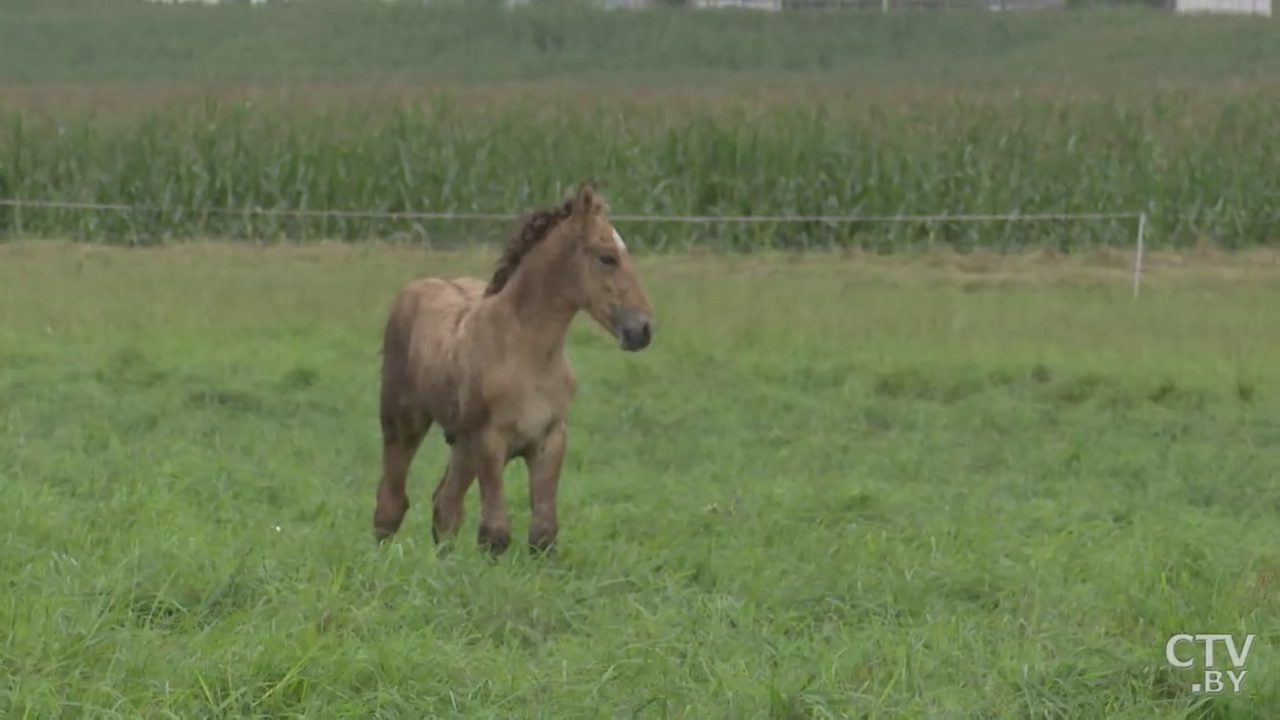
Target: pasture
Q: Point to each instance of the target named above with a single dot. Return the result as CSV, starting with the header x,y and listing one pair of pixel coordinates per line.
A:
x,y
931,469
954,486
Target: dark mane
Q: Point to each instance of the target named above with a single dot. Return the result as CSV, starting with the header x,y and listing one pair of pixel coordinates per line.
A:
x,y
536,227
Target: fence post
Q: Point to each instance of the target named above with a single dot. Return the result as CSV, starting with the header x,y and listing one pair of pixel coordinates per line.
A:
x,y
1137,255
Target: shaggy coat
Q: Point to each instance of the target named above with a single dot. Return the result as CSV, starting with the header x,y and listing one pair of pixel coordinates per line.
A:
x,y
487,363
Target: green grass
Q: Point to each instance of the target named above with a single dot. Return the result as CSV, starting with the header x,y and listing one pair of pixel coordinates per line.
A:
x,y
1203,168
130,41
943,487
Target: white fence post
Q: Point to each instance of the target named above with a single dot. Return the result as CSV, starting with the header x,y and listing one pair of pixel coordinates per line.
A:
x,y
1137,255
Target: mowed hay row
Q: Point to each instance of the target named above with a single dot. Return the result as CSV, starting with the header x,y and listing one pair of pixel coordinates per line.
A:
x,y
1202,170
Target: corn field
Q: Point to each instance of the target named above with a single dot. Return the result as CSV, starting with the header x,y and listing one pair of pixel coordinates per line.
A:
x,y
1201,170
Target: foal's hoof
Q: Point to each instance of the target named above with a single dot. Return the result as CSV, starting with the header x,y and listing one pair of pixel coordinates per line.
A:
x,y
443,543
542,546
384,531
494,540
388,516
542,551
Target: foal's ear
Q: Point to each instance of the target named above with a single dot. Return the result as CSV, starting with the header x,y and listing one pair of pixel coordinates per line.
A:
x,y
587,201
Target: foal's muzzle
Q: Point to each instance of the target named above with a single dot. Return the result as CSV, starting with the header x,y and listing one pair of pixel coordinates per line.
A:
x,y
634,328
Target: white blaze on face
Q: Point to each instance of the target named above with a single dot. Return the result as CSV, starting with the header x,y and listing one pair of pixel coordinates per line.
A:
x,y
618,239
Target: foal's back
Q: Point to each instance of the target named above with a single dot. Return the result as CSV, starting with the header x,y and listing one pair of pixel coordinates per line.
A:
x,y
427,313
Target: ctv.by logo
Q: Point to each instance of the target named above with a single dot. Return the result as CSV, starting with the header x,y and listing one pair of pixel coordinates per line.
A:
x,y
1212,678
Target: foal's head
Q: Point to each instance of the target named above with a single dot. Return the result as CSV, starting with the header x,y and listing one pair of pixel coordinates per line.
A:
x,y
600,276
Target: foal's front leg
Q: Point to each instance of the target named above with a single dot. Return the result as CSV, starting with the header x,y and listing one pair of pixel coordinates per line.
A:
x,y
490,456
544,464
449,501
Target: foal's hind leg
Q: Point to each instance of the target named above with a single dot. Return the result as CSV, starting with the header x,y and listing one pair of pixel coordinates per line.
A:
x,y
401,437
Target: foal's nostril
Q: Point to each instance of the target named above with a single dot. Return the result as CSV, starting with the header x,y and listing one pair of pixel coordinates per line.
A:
x,y
638,337
633,328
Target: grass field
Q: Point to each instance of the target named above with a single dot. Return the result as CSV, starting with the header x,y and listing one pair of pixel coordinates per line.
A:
x,y
948,486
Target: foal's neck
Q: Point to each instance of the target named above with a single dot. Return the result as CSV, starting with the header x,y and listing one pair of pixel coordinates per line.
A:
x,y
535,298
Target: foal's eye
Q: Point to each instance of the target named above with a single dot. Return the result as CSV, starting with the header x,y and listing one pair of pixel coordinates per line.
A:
x,y
608,260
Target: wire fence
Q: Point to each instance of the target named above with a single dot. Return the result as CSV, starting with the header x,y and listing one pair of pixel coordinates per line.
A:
x,y
151,223
1138,216
450,215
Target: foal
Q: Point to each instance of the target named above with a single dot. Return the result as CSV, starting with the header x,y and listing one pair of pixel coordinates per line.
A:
x,y
488,364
